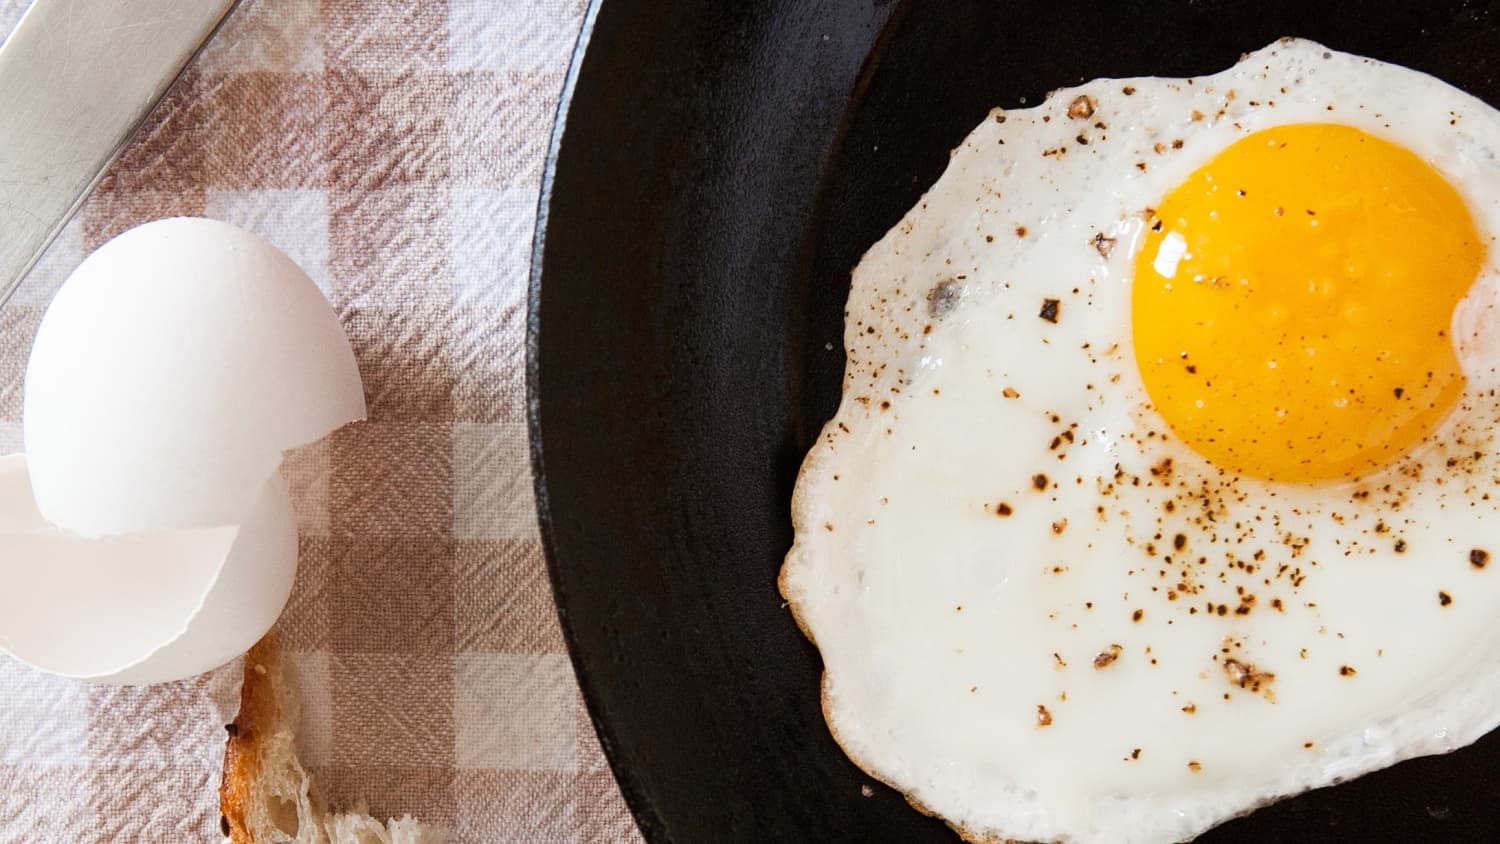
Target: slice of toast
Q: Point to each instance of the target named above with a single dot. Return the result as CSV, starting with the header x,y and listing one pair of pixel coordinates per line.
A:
x,y
266,796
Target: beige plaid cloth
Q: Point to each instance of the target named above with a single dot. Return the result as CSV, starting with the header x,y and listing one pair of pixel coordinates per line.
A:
x,y
393,149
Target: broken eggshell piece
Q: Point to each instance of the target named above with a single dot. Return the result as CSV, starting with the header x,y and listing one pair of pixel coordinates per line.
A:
x,y
147,534
141,608
171,371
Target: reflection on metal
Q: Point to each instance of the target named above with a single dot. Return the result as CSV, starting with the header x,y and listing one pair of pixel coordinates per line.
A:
x,y
76,79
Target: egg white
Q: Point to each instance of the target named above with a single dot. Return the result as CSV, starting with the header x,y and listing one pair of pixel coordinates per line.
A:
x,y
946,630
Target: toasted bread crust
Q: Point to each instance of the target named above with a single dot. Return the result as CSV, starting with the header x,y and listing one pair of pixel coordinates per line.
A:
x,y
260,713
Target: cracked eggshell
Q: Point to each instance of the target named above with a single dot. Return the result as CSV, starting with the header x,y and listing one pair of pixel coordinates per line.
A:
x,y
143,608
171,371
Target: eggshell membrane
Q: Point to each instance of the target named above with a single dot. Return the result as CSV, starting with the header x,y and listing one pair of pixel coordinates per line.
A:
x,y
170,373
143,608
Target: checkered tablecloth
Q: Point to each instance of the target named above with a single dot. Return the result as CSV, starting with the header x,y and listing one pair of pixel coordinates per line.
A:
x,y
394,149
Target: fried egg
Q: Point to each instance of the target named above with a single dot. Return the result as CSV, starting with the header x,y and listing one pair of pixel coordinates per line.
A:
x,y
1165,480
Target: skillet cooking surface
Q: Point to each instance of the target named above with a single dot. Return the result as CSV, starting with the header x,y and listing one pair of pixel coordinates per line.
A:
x,y
723,167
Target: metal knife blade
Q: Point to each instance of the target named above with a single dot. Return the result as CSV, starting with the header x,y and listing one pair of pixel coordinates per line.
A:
x,y
77,77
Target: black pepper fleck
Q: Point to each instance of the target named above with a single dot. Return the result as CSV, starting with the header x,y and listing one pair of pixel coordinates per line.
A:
x,y
943,297
1049,310
1246,676
1103,245
1444,598
1105,658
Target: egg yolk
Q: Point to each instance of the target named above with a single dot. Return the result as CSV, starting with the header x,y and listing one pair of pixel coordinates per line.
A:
x,y
1292,301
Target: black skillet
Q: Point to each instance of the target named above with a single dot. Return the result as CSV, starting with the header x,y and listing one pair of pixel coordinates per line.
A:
x,y
723,166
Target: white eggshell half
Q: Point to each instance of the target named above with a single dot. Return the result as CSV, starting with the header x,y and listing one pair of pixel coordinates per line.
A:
x,y
142,608
171,371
